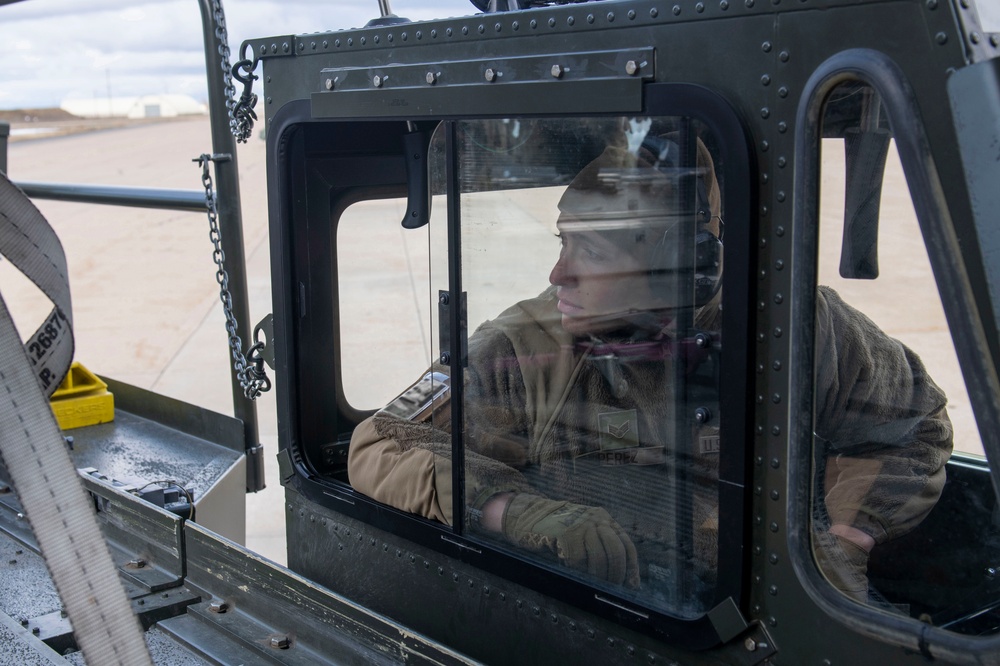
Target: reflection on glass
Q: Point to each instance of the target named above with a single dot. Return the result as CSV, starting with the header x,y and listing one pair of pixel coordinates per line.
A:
x,y
591,260
890,397
579,451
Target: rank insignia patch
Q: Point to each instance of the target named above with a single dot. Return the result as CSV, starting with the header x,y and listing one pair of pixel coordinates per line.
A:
x,y
618,430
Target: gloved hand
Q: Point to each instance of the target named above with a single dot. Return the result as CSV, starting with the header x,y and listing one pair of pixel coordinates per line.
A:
x,y
585,538
844,563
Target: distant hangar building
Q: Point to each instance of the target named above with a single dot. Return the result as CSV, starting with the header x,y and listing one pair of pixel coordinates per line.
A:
x,y
146,106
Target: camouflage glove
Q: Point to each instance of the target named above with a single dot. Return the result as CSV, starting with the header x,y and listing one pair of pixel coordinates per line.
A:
x,y
582,537
844,563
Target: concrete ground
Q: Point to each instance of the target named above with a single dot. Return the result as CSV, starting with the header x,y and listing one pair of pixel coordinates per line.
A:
x,y
147,308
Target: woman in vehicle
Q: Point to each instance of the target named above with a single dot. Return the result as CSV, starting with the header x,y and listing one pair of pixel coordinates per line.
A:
x,y
591,436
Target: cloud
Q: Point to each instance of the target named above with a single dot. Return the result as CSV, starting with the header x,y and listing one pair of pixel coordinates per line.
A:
x,y
59,49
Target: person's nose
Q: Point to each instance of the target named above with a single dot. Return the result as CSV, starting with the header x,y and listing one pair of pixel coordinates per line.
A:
x,y
562,274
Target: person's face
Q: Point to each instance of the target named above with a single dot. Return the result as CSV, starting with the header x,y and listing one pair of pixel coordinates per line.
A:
x,y
599,282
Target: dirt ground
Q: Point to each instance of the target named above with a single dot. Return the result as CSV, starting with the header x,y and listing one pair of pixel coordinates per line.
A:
x,y
34,124
25,116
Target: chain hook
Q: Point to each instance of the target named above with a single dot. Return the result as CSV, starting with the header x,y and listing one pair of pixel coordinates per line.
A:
x,y
248,65
243,112
259,381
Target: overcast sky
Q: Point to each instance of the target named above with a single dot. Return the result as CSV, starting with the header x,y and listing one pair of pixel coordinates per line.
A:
x,y
51,50
61,49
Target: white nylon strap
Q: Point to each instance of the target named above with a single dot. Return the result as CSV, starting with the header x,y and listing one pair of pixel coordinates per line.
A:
x,y
27,240
59,510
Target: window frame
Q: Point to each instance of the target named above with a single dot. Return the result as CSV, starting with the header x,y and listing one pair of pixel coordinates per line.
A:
x,y
952,278
301,472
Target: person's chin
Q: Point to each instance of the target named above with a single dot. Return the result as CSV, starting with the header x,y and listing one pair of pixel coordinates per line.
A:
x,y
574,325
577,325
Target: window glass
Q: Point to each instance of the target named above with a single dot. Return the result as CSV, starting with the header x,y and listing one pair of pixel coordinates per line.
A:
x,y
893,526
590,259
389,282
591,262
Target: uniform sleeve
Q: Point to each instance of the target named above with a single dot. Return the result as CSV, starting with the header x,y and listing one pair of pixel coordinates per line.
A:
x,y
408,464
883,423
413,479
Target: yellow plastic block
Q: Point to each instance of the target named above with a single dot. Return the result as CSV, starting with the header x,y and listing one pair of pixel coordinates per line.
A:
x,y
82,400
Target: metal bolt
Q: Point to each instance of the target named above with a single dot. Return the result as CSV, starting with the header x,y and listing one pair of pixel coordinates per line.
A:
x,y
750,644
218,607
490,74
631,68
702,415
990,572
557,71
702,340
329,84
431,78
280,642
137,563
377,81
36,630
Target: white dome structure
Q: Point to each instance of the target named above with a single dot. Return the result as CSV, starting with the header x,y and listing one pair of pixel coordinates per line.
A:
x,y
146,106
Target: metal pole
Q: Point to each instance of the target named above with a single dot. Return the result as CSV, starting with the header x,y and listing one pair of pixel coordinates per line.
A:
x,y
231,226
139,197
4,133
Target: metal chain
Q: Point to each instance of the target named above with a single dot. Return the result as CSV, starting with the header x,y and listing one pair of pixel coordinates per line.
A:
x,y
249,367
241,113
